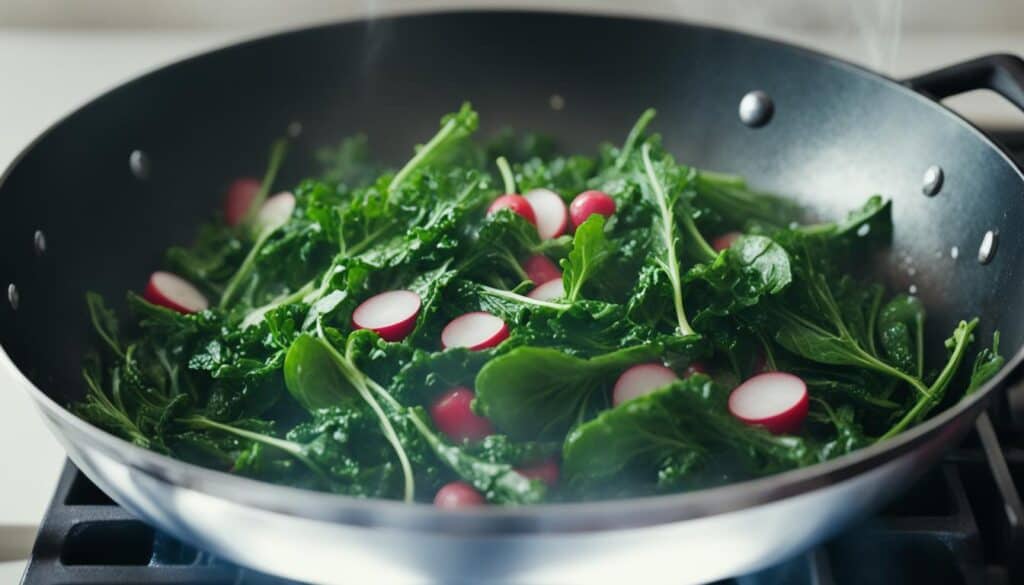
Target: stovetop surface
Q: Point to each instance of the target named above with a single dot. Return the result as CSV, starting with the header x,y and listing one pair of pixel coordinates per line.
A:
x,y
961,524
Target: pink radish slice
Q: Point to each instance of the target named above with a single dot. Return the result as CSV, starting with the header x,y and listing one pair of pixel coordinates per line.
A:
x,y
776,401
550,211
640,380
454,417
458,494
175,293
725,241
392,314
540,269
547,472
276,211
239,197
588,203
475,331
516,203
550,290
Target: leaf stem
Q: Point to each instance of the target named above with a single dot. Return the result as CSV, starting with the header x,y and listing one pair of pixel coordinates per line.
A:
x,y
671,265
634,134
506,175
962,336
504,294
277,153
360,383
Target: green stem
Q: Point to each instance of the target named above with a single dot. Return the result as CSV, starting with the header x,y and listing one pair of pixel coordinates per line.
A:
x,y
925,403
360,383
506,175
671,266
245,269
704,250
277,152
289,447
634,134
504,294
256,315
423,154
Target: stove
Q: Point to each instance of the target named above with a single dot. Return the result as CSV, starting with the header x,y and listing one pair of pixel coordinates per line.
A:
x,y
961,524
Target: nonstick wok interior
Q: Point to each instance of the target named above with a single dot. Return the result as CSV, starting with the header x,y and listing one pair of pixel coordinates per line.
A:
x,y
837,136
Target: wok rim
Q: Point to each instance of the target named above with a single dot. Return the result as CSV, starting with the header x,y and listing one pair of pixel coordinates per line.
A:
x,y
547,518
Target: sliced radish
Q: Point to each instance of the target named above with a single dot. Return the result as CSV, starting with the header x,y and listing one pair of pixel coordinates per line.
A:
x,y
516,203
776,401
547,472
477,330
588,203
453,415
391,314
239,197
695,368
640,380
540,269
458,494
276,211
175,293
550,290
550,211
725,241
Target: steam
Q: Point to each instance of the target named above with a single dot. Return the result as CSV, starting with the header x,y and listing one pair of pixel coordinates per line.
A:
x,y
878,25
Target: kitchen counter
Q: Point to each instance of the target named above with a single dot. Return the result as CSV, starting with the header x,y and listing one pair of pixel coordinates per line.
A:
x,y
48,73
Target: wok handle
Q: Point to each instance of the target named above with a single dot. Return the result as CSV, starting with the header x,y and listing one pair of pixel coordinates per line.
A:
x,y
1001,73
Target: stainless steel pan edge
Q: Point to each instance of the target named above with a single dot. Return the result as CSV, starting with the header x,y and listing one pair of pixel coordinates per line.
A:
x,y
519,545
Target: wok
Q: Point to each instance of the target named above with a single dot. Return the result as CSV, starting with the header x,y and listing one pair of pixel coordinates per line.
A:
x,y
113,184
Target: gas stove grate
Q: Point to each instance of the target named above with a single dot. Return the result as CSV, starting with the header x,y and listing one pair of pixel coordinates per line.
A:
x,y
958,525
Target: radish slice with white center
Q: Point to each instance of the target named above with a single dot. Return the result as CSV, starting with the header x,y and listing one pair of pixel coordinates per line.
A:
x,y
474,331
276,211
175,293
640,380
540,269
392,314
776,401
239,197
551,213
549,291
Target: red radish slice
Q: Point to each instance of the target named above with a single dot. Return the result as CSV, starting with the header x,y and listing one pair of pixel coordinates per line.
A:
x,y
458,494
550,211
516,203
550,290
391,314
776,401
695,368
453,415
540,269
175,293
725,241
547,472
640,380
276,211
477,330
240,195
588,203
